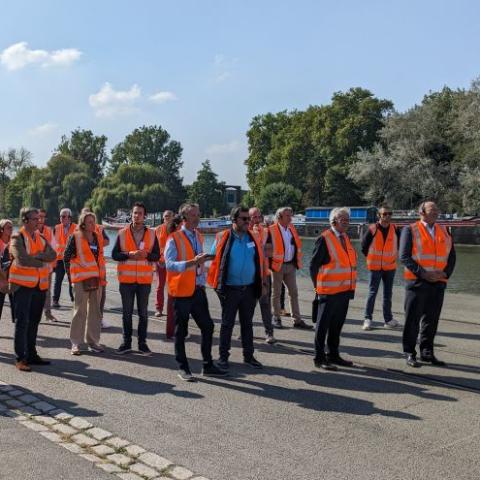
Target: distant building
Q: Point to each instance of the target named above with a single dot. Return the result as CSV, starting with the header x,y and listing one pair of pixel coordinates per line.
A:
x,y
233,195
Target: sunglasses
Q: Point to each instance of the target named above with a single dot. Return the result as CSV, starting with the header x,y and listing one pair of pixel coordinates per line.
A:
x,y
386,214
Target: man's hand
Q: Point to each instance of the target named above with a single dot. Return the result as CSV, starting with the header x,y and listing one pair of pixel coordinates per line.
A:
x,y
201,258
434,276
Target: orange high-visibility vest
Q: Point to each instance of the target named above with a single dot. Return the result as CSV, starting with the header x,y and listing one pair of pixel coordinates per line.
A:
x,y
221,241
279,247
382,255
261,233
430,253
84,265
182,284
61,239
162,235
340,273
30,277
135,271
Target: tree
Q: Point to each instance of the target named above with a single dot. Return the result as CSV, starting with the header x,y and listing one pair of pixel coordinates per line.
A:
x,y
152,146
83,146
207,191
278,195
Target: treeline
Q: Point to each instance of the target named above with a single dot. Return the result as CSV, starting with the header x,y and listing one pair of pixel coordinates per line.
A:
x,y
358,150
144,166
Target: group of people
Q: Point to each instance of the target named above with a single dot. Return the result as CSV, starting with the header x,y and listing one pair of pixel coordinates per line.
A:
x,y
247,264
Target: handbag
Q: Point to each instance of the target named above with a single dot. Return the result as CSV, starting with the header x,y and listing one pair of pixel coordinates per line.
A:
x,y
91,284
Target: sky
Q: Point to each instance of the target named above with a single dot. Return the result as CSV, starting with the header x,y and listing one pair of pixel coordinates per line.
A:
x,y
203,69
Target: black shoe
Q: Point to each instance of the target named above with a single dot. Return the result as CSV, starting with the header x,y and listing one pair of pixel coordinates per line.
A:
x,y
325,365
253,362
302,325
38,361
55,304
123,349
186,375
223,365
213,371
144,350
429,359
412,361
338,360
277,322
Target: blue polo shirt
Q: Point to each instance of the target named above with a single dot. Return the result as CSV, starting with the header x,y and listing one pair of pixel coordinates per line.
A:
x,y
241,263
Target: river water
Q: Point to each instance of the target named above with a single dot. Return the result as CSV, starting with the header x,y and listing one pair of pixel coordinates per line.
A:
x,y
465,279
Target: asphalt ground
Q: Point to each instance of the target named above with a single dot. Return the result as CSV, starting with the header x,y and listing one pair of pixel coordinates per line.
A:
x,y
378,420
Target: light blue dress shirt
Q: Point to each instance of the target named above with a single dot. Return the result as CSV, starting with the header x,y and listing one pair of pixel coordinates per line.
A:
x,y
241,263
171,253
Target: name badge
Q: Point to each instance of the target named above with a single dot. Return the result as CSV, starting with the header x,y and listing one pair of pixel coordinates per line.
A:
x,y
250,244
142,245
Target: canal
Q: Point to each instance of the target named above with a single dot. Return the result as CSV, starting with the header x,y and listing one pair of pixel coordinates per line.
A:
x,y
465,279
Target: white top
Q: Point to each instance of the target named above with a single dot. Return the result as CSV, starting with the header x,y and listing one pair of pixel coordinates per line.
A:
x,y
288,243
430,229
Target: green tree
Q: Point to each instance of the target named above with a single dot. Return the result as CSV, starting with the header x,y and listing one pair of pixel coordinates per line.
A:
x,y
83,146
278,195
207,191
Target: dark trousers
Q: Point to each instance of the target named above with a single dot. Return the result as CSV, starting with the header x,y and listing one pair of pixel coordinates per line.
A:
x,y
2,301
28,307
128,292
423,305
239,300
374,279
266,307
197,306
332,312
282,297
57,287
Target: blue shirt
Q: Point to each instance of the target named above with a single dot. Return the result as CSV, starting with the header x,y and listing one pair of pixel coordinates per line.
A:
x,y
174,265
241,263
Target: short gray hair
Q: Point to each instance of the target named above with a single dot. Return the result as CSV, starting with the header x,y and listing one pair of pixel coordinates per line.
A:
x,y
279,213
336,212
66,211
4,222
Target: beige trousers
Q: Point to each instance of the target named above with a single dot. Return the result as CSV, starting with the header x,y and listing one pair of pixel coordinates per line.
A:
x,y
287,275
86,312
48,298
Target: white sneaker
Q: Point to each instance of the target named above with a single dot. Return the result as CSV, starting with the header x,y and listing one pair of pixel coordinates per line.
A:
x,y
270,339
367,324
75,349
393,324
105,325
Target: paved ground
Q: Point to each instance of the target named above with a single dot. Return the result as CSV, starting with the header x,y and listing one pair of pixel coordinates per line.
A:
x,y
287,422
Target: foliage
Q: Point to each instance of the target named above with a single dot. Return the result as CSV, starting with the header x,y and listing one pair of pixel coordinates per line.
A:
x,y
207,191
278,195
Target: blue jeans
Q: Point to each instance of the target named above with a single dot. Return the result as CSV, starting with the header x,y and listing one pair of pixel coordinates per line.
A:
x,y
374,278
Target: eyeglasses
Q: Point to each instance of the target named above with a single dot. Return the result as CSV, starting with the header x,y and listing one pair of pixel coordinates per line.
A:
x,y
386,214
245,219
65,216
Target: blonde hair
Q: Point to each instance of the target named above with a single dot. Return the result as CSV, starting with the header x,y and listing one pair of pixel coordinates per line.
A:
x,y
82,218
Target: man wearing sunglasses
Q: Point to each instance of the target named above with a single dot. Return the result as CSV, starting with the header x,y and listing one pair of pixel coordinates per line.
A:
x,y
380,246
236,274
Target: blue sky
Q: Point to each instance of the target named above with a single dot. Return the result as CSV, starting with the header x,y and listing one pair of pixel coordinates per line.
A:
x,y
203,69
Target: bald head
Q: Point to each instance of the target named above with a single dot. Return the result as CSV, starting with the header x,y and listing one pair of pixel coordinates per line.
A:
x,y
255,216
428,212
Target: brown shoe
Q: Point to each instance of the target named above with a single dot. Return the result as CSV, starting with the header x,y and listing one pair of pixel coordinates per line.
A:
x,y
23,366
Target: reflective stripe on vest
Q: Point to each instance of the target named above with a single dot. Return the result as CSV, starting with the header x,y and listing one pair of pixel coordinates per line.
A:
x,y
182,284
430,253
382,254
48,234
135,271
84,265
30,276
340,273
278,255
61,239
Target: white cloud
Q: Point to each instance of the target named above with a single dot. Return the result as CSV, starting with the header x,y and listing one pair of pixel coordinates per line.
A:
x,y
43,130
218,149
18,56
162,97
108,102
223,66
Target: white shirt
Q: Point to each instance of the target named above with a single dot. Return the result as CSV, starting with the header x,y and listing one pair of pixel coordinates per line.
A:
x,y
430,229
288,243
